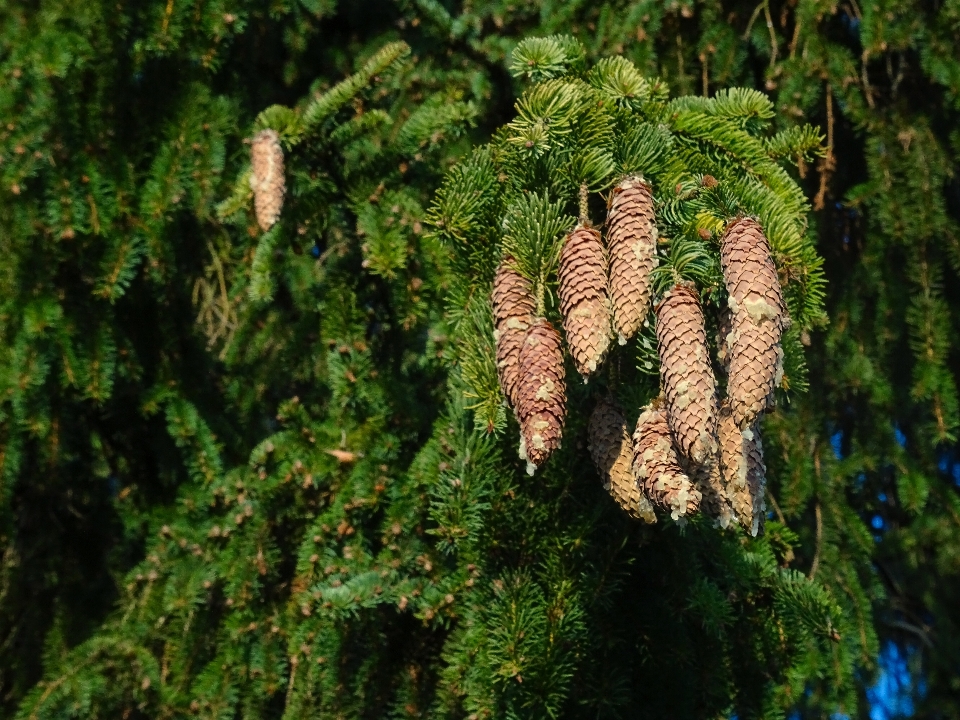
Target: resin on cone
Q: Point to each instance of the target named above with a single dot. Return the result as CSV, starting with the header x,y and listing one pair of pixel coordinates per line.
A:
x,y
744,473
758,318
513,306
541,394
687,376
583,298
657,469
266,179
612,452
632,241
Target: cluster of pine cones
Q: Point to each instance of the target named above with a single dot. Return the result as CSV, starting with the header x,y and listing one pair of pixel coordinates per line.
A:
x,y
689,449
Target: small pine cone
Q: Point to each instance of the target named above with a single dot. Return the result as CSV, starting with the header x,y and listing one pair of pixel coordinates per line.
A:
x,y
583,298
512,294
541,394
657,470
612,452
759,315
632,238
744,473
687,376
513,306
267,181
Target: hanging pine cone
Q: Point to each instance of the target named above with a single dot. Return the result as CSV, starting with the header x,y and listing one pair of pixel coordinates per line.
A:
x,y
632,238
267,181
583,298
756,302
716,503
687,377
612,452
744,473
513,306
541,393
657,469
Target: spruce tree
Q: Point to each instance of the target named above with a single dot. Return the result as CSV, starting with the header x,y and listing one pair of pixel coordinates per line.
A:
x,y
153,334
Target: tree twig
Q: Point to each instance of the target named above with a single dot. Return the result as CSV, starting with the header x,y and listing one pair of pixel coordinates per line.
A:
x,y
815,565
829,161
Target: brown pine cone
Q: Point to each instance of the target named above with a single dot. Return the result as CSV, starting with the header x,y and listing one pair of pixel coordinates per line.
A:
x,y
687,376
512,294
716,502
509,337
612,452
583,298
513,306
266,180
657,469
759,315
632,238
744,473
541,394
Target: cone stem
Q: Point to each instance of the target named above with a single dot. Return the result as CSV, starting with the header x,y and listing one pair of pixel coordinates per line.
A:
x,y
540,294
584,210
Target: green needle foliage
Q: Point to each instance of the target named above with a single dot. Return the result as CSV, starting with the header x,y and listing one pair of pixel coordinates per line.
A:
x,y
250,474
709,161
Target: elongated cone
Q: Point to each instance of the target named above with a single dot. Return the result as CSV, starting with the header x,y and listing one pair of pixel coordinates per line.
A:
x,y
612,452
632,240
541,394
266,180
583,298
744,473
657,469
687,376
716,503
756,303
513,306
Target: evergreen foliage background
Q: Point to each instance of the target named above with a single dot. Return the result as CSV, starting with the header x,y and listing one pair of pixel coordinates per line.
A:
x,y
238,476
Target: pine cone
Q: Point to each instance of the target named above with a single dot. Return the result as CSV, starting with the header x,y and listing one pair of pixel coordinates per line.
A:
x,y
657,469
759,314
583,298
612,452
513,306
512,294
541,394
632,237
687,377
267,181
744,473
716,502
